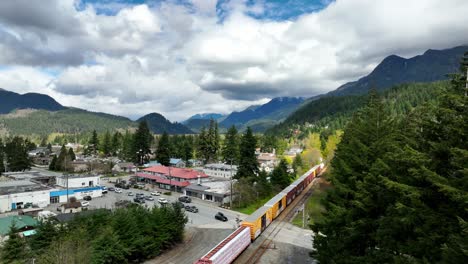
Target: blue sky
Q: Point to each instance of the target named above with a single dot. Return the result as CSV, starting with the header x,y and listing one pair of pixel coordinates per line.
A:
x,y
275,9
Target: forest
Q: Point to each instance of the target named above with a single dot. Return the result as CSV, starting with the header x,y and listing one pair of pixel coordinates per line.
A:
x,y
400,183
125,235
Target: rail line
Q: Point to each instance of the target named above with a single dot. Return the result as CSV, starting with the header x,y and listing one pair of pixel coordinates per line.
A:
x,y
280,222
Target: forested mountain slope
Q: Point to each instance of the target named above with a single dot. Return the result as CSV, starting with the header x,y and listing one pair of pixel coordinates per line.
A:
x,y
10,101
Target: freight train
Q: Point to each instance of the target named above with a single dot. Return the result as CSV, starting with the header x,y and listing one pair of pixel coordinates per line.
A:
x,y
233,245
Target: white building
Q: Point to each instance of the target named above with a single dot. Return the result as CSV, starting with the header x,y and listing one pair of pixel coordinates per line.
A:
x,y
212,191
78,181
19,194
220,170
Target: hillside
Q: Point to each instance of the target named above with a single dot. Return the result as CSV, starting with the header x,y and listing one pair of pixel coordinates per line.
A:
x,y
158,124
10,101
41,122
205,116
433,65
264,116
333,112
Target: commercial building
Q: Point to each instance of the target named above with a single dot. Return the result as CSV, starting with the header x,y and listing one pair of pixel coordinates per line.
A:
x,y
18,194
220,170
170,178
217,191
78,181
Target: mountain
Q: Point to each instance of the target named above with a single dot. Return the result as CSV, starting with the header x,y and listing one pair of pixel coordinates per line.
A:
x,y
158,124
260,117
433,65
205,116
69,121
10,101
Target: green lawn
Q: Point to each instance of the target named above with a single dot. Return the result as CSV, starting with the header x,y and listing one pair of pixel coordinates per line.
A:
x,y
252,207
313,209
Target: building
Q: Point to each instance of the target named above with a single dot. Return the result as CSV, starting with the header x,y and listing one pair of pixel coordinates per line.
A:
x,y
71,207
178,163
293,151
19,194
220,170
124,167
213,191
78,181
195,163
170,178
24,223
267,161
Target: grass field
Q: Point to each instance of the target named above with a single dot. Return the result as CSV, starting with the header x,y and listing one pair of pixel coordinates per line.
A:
x,y
313,208
252,207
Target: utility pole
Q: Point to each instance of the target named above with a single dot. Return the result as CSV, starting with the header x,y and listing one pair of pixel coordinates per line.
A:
x,y
303,216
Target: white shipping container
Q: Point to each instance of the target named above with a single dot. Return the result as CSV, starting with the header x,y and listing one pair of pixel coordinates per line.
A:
x,y
229,252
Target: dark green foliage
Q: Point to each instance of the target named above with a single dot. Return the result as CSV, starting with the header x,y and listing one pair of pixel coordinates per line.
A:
x,y
231,146
63,160
116,143
53,163
400,186
16,151
268,143
11,100
208,143
158,124
280,177
333,112
71,154
14,249
142,140
297,163
94,143
2,157
163,153
248,164
125,235
106,146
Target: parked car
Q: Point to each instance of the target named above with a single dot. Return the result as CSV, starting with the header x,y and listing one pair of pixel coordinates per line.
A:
x,y
118,190
87,198
126,186
156,193
140,195
111,189
139,200
185,199
149,198
84,204
162,200
104,191
192,209
130,194
220,216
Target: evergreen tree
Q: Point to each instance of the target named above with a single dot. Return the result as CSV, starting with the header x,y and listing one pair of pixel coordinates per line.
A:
x,y
71,154
280,177
94,142
116,143
297,164
2,157
43,142
49,147
63,160
107,248
53,163
204,145
231,146
106,146
248,164
142,143
187,148
13,249
163,154
16,151
127,147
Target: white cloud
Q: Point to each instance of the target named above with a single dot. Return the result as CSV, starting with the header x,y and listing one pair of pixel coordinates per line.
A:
x,y
180,59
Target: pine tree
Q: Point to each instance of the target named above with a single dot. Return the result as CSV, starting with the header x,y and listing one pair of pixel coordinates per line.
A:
x,y
107,248
16,151
63,160
297,164
231,146
106,146
53,164
163,154
187,148
204,145
71,154
14,249
2,157
248,164
141,143
94,142
280,177
116,143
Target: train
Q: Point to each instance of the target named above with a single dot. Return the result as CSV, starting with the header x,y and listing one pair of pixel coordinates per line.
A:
x,y
233,245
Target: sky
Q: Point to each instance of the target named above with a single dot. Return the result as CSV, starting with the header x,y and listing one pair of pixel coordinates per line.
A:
x,y
183,57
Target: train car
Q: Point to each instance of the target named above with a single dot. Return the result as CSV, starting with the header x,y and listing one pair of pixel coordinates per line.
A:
x,y
277,204
290,192
258,221
229,249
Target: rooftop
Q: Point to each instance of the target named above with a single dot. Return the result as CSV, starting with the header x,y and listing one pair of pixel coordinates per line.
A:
x,y
220,166
78,176
183,173
11,187
20,221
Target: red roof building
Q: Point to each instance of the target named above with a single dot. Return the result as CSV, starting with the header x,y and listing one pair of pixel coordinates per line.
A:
x,y
170,178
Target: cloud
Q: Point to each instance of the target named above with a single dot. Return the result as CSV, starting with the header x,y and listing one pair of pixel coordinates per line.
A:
x,y
181,57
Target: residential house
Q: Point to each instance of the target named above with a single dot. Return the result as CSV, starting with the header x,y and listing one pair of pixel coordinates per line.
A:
x,y
178,163
124,167
267,161
195,163
220,170
71,207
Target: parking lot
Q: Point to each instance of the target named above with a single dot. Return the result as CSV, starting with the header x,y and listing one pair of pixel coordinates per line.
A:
x,y
205,218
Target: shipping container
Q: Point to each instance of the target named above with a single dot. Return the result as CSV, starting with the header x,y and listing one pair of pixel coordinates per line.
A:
x,y
258,221
277,204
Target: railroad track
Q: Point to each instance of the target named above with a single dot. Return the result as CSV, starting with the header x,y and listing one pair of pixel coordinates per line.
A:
x,y
284,218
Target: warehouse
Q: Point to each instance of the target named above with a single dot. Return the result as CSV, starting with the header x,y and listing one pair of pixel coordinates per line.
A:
x,y
23,194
